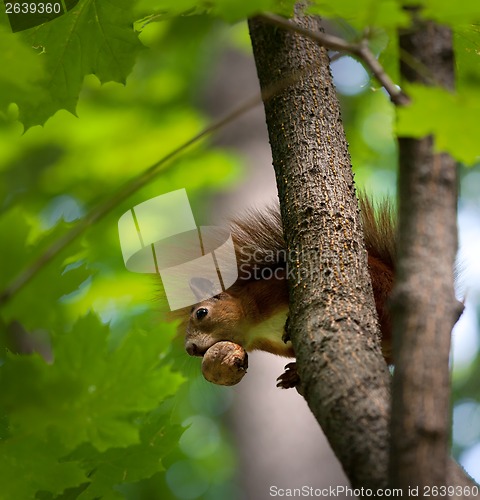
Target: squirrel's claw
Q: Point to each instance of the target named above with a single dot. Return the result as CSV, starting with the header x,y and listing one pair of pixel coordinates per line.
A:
x,y
289,378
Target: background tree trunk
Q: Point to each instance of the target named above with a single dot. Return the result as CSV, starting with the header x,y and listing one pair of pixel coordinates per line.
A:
x,y
332,315
423,302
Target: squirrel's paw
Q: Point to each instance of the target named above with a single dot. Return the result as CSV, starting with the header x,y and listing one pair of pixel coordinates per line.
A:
x,y
289,378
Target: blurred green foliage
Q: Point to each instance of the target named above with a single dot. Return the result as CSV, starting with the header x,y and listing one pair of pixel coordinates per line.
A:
x,y
89,397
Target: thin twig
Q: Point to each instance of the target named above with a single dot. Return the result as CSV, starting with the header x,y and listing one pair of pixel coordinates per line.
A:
x,y
361,50
132,186
129,188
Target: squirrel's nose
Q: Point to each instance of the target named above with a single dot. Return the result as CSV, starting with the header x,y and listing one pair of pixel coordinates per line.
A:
x,y
192,349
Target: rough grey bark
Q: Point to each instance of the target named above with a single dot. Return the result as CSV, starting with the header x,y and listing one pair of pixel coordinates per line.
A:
x,y
423,302
332,315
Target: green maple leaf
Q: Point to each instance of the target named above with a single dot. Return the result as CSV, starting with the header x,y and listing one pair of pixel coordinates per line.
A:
x,y
28,465
230,10
362,13
89,393
93,412
23,72
37,305
96,36
465,12
439,112
130,464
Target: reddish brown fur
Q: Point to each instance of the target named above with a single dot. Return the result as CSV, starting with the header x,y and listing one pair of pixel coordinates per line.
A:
x,y
250,302
382,283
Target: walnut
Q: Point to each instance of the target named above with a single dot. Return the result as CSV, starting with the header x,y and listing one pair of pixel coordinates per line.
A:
x,y
225,363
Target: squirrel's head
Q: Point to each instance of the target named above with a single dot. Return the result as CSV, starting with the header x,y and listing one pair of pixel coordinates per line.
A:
x,y
212,320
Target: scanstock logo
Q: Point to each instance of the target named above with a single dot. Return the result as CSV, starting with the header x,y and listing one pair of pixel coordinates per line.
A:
x,y
160,236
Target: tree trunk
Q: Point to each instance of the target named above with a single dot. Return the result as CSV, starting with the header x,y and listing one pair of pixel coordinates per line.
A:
x,y
423,302
333,323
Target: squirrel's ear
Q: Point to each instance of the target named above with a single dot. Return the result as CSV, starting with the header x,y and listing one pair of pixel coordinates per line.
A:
x,y
202,288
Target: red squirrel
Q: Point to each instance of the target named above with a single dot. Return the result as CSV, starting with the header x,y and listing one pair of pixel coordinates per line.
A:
x,y
253,311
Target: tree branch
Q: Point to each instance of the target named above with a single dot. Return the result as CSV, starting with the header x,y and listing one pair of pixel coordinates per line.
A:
x,y
332,314
360,50
423,302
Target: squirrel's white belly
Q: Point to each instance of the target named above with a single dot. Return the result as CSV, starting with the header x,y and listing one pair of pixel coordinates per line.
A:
x,y
270,330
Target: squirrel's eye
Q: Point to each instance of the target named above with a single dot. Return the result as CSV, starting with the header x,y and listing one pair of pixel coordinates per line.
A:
x,y
201,313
